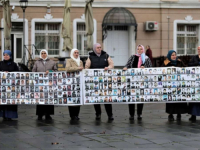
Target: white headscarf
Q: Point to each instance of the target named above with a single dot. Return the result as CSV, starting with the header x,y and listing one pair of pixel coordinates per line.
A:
x,y
94,49
77,60
43,50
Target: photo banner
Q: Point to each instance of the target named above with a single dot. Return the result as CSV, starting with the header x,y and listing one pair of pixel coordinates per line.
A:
x,y
31,88
148,85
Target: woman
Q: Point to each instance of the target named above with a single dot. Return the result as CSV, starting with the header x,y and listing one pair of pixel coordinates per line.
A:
x,y
139,60
74,64
194,108
101,60
8,111
44,64
174,108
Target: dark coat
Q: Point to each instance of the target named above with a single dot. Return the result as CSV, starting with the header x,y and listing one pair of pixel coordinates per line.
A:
x,y
175,108
194,108
8,111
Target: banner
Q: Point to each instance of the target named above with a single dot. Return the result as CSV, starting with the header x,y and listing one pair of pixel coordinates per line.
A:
x,y
54,88
148,85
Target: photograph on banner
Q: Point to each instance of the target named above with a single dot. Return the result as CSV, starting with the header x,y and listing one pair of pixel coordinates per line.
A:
x,y
54,88
135,85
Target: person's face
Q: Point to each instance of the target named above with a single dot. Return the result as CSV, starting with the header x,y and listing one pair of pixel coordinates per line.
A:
x,y
140,50
6,57
173,56
43,54
199,50
98,49
76,54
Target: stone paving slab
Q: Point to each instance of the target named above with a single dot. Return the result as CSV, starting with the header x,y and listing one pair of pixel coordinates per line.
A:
x,y
154,132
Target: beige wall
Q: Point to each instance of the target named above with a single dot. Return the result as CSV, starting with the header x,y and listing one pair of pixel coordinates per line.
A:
x,y
158,40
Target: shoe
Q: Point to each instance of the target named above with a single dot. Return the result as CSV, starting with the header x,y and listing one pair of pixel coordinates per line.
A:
x,y
131,118
139,117
178,117
192,118
77,118
39,117
171,118
110,118
48,117
98,117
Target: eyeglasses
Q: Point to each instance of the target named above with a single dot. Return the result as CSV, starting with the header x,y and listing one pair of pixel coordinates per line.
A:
x,y
98,47
43,53
76,52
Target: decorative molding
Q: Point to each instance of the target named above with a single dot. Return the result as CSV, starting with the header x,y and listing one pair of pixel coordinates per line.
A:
x,y
48,17
83,16
188,18
14,16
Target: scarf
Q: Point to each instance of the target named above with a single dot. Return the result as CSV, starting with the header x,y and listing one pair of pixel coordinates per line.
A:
x,y
141,59
173,62
8,52
77,60
44,60
94,49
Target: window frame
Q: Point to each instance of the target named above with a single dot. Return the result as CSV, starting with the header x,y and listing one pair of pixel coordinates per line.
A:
x,y
82,20
33,22
184,22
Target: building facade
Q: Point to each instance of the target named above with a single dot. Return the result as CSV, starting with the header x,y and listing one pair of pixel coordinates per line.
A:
x,y
119,25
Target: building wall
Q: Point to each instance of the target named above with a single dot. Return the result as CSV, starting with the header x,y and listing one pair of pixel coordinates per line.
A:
x,y
158,40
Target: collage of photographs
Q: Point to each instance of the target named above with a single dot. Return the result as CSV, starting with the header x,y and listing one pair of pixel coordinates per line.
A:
x,y
54,88
142,85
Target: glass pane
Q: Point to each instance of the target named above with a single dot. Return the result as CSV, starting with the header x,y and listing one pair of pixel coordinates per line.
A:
x,y
53,26
191,45
191,28
39,26
19,47
180,27
79,44
53,42
40,41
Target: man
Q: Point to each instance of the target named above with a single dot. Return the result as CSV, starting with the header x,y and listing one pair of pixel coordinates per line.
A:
x,y
101,60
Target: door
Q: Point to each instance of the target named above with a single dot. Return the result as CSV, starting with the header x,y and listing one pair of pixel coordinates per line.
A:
x,y
18,47
117,44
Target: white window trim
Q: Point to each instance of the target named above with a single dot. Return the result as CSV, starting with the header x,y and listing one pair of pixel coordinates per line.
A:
x,y
41,20
176,22
26,34
78,20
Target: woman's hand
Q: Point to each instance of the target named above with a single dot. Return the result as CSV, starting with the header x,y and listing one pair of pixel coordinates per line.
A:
x,y
80,68
47,72
124,68
106,68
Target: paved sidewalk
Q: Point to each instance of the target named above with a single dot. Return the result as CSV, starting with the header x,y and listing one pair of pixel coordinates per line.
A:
x,y
153,132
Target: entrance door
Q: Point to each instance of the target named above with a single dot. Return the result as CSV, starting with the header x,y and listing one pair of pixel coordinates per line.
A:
x,y
117,44
18,47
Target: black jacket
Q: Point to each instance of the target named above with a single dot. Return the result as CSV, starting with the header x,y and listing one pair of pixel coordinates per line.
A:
x,y
8,66
194,61
99,62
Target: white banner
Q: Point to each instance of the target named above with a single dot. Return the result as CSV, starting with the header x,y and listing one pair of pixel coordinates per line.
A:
x,y
55,88
148,85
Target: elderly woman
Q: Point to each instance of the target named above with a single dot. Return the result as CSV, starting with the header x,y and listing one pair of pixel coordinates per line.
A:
x,y
44,64
174,108
139,60
72,65
8,111
194,108
100,59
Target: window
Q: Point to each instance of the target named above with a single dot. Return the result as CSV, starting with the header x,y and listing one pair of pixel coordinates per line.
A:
x,y
187,39
82,39
47,36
